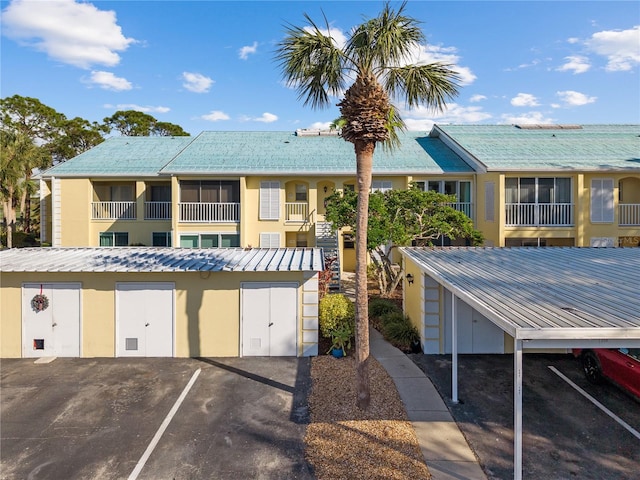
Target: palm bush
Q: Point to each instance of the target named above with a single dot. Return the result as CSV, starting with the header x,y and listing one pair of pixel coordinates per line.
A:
x,y
399,331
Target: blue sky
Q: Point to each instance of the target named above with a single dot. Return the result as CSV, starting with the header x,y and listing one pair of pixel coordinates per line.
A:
x,y
209,65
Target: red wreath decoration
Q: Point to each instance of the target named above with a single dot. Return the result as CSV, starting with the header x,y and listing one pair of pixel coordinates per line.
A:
x,y
39,302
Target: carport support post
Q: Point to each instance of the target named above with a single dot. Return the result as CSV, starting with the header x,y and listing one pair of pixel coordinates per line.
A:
x,y
454,351
517,409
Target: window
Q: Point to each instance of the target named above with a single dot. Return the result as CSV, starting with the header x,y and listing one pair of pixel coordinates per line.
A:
x,y
114,193
159,193
269,200
349,187
460,188
602,200
114,239
209,191
537,190
381,186
161,239
210,240
269,240
301,192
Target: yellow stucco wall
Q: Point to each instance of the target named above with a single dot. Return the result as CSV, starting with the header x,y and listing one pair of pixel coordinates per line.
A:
x,y
412,294
76,195
207,310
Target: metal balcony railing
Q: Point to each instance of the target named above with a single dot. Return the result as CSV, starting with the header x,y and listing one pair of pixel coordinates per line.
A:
x,y
539,214
113,210
296,212
464,207
157,210
192,212
629,214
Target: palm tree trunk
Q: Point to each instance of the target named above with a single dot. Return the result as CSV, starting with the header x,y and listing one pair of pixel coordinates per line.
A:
x,y
364,162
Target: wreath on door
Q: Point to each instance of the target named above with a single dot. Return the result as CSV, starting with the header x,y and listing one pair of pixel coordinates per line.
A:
x,y
39,302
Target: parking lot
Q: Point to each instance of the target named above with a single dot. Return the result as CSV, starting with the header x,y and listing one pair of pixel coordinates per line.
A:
x,y
239,418
565,436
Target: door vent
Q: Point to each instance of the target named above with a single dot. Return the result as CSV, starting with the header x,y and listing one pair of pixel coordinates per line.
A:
x,y
256,343
38,343
131,344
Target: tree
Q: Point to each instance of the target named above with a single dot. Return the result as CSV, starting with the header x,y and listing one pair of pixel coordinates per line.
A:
x,y
376,53
132,123
400,218
76,136
17,154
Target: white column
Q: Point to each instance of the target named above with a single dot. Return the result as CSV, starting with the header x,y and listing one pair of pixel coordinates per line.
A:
x,y
517,409
454,350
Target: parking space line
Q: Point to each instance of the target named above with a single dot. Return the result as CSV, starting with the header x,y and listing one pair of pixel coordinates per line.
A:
x,y
163,427
633,431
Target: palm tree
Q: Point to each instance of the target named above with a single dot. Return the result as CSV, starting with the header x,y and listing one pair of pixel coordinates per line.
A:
x,y
376,54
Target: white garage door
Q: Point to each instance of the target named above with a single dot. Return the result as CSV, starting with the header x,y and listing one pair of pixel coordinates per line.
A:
x,y
144,319
269,319
51,327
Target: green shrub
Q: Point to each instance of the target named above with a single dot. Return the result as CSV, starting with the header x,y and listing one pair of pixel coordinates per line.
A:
x,y
399,331
335,310
379,307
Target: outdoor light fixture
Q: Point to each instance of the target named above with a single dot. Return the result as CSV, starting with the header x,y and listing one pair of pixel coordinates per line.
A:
x,y
410,279
325,189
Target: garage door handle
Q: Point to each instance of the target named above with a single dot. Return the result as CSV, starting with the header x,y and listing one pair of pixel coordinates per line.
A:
x,y
271,324
55,324
146,324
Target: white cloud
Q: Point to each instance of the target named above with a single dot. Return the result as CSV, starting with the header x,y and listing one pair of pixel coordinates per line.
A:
x,y
419,119
477,98
248,50
138,108
265,118
108,81
524,100
320,126
575,99
215,116
573,40
575,63
196,82
435,53
75,33
621,47
527,119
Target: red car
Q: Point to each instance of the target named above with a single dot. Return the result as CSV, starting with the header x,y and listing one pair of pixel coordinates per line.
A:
x,y
620,366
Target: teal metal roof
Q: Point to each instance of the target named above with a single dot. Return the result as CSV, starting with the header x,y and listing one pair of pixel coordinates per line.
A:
x,y
122,156
507,147
283,152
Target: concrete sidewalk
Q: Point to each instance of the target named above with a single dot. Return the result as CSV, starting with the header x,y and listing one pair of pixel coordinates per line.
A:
x,y
445,449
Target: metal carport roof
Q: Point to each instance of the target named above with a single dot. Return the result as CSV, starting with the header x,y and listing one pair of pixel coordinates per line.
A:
x,y
150,259
542,297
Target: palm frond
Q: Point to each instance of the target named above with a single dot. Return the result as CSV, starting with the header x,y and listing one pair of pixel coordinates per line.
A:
x,y
432,84
385,40
394,124
312,63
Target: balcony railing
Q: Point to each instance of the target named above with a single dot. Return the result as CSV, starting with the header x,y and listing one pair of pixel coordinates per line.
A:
x,y
464,207
209,212
113,210
629,214
539,214
296,212
157,210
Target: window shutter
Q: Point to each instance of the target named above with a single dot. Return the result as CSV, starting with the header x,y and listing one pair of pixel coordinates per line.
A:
x,y
269,200
270,240
602,200
489,199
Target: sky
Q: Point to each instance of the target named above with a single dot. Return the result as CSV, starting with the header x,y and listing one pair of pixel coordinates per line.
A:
x,y
210,65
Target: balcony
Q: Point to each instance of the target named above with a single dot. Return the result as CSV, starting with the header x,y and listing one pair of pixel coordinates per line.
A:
x,y
113,210
157,210
464,207
197,212
629,214
539,214
296,212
